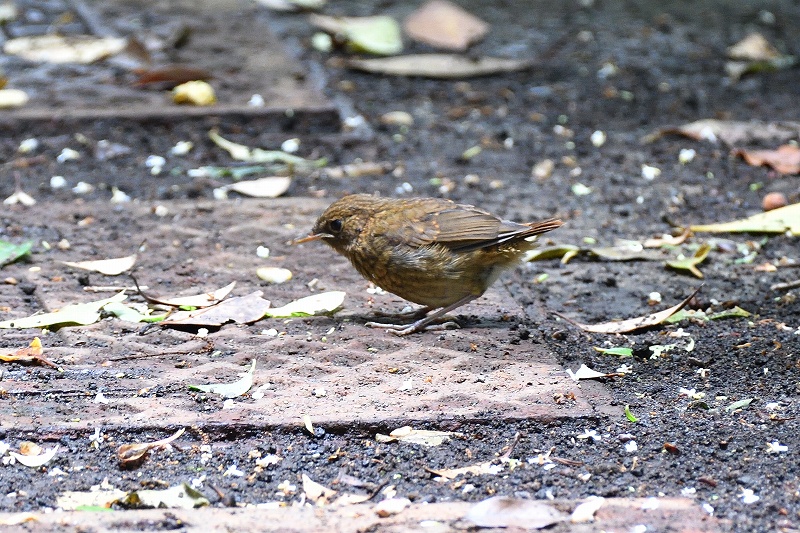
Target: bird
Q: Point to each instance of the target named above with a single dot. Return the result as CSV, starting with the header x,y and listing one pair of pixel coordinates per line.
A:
x,y
430,251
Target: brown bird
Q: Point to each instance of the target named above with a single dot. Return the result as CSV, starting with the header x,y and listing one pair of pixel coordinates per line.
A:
x,y
430,251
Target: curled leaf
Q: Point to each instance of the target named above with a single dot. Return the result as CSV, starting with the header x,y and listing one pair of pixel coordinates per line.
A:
x,y
130,455
690,263
318,304
633,324
109,267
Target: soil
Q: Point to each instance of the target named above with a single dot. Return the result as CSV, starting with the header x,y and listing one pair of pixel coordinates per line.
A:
x,y
489,381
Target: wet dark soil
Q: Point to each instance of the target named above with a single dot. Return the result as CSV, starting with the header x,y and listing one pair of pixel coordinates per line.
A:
x,y
668,69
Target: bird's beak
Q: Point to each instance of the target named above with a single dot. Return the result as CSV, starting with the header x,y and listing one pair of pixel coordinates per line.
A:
x,y
312,237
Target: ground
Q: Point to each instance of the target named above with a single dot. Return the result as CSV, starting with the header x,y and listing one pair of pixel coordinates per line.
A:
x,y
499,382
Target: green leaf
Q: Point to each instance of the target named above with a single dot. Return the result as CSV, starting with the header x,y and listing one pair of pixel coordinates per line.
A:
x,y
619,350
229,390
736,312
691,263
319,304
629,415
81,314
741,404
10,252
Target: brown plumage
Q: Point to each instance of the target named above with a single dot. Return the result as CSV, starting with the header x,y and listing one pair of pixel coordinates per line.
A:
x,y
429,251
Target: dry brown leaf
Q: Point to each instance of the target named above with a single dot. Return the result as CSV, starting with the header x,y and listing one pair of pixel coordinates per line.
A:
x,y
785,159
31,354
732,132
439,66
109,267
199,300
443,24
633,324
131,455
170,76
241,309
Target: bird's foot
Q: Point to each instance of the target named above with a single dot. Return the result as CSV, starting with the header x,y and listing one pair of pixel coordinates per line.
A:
x,y
406,314
402,330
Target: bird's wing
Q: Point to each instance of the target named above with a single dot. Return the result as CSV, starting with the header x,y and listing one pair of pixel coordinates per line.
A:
x,y
454,226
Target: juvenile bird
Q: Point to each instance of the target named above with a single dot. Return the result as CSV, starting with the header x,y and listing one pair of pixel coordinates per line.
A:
x,y
430,251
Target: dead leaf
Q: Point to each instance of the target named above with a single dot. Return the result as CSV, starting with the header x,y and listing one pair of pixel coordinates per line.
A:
x,y
416,436
667,240
15,519
269,187
109,267
35,461
230,390
690,263
131,455
53,48
199,300
443,24
31,354
584,372
778,220
785,159
504,511
241,309
315,492
488,468
632,324
733,132
585,511
378,34
180,496
170,76
439,66
81,314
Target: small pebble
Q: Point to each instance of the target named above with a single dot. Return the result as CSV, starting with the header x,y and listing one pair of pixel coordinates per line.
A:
x,y
650,173
58,182
598,138
686,155
774,200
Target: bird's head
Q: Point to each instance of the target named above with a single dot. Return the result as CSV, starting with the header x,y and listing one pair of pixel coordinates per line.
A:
x,y
342,222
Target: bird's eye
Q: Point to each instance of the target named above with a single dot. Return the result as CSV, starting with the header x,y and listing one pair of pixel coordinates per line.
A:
x,y
335,225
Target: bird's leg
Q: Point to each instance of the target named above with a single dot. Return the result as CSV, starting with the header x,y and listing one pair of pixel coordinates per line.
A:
x,y
422,323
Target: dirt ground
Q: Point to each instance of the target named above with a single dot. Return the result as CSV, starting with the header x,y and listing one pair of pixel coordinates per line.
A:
x,y
500,382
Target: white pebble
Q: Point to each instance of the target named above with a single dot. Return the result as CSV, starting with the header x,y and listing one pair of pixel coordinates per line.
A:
x,y
118,196
160,211
68,154
650,173
262,252
274,274
28,145
83,188
256,101
181,148
58,182
290,145
686,155
598,138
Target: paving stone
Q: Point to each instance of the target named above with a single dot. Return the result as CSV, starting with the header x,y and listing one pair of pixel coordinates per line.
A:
x,y
671,514
369,376
230,39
